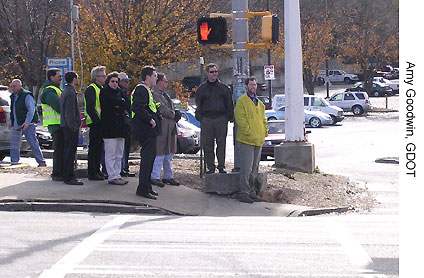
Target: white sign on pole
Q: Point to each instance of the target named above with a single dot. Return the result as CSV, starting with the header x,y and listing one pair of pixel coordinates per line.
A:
x,y
269,72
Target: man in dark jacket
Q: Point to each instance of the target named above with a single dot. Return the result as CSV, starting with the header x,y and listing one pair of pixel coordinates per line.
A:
x,y
92,113
50,103
146,127
214,110
70,122
124,81
23,119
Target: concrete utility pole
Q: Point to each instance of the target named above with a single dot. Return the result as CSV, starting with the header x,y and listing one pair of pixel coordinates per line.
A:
x,y
295,152
241,71
293,72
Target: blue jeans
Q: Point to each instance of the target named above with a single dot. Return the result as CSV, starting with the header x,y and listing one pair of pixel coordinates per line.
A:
x,y
16,140
166,162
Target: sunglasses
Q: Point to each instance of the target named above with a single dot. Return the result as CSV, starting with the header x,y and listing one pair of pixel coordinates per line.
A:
x,y
113,81
214,71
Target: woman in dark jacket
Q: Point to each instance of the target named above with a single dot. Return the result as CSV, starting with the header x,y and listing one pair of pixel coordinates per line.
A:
x,y
113,103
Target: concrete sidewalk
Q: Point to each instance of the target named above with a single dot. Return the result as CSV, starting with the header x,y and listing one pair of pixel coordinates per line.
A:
x,y
27,192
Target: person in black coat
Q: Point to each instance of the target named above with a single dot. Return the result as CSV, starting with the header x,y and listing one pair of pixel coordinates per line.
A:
x,y
70,122
146,125
113,104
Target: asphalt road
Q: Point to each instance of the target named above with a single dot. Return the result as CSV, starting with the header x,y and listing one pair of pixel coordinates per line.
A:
x,y
36,244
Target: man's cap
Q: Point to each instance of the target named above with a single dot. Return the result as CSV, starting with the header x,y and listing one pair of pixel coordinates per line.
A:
x,y
123,76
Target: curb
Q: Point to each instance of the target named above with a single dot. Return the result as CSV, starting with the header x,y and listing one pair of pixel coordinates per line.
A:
x,y
123,207
319,211
81,206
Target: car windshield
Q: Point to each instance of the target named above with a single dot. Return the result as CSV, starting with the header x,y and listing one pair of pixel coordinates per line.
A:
x,y
319,102
276,127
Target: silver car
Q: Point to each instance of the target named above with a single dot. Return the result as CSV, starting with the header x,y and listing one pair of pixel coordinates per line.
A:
x,y
312,118
357,102
5,131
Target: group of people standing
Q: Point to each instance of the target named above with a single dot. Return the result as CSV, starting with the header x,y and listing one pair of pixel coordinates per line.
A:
x,y
149,114
214,108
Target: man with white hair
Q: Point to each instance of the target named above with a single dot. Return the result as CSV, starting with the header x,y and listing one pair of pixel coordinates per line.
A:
x,y
92,114
23,119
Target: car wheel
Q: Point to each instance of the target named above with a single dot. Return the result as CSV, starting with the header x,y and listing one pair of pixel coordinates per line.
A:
x,y
376,94
2,156
272,118
347,81
357,110
315,122
334,119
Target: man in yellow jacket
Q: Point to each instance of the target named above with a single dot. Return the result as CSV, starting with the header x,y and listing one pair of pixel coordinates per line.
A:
x,y
252,128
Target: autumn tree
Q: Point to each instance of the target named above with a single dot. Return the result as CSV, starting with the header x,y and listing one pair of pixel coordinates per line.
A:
x,y
368,34
27,32
124,35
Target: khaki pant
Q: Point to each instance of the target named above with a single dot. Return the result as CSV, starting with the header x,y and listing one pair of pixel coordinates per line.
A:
x,y
214,130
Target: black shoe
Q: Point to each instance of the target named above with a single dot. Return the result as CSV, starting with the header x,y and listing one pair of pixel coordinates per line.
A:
x,y
171,182
154,193
244,198
146,195
74,182
96,178
255,198
210,171
57,178
157,183
127,174
222,171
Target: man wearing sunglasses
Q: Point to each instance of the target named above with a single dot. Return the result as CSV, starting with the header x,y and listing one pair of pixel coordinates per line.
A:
x,y
214,110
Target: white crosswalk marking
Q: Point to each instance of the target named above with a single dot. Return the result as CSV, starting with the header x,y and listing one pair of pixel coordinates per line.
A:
x,y
156,246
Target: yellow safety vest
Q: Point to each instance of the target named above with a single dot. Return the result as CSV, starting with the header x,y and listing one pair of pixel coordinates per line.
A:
x,y
152,104
98,109
50,116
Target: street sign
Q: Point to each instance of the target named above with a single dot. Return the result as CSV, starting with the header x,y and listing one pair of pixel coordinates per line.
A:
x,y
64,64
269,72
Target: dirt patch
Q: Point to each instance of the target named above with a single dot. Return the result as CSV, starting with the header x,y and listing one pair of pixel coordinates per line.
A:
x,y
284,186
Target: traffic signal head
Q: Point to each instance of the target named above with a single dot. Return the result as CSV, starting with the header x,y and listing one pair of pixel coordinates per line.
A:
x,y
211,30
270,28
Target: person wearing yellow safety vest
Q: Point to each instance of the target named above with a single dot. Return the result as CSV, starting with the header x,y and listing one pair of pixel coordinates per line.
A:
x,y
92,114
146,125
50,104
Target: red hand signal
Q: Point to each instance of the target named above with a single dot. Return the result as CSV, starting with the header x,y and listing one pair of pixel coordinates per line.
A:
x,y
204,31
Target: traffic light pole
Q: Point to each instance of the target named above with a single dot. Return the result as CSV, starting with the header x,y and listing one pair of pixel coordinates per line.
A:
x,y
241,71
269,63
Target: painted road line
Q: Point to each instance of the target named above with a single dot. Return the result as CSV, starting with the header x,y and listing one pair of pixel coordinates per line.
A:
x,y
84,249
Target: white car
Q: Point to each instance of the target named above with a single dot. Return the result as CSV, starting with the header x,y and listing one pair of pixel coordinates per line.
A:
x,y
357,102
313,103
339,76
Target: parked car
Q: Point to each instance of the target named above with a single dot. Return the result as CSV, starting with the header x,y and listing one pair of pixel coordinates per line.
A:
x,y
188,137
357,102
5,131
276,135
377,89
313,103
265,101
44,138
189,116
394,84
339,76
312,118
